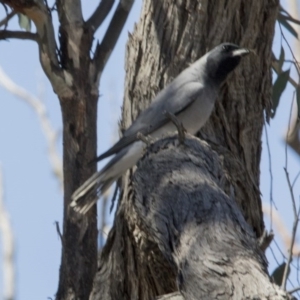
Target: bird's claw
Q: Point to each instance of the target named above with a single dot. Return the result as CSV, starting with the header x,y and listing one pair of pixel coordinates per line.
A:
x,y
180,128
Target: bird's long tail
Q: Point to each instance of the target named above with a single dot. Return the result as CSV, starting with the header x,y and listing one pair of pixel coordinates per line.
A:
x,y
88,193
91,190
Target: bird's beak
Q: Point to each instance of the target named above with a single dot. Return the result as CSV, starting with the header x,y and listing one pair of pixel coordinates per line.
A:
x,y
240,52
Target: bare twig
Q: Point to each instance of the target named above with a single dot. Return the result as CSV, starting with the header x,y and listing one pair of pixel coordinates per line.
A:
x,y
58,231
104,50
295,180
21,35
7,18
294,290
8,248
271,177
295,211
100,14
40,109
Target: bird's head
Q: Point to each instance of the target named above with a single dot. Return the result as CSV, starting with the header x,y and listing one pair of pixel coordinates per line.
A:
x,y
223,59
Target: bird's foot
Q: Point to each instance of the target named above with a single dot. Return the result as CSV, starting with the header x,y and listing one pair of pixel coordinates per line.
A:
x,y
146,139
180,128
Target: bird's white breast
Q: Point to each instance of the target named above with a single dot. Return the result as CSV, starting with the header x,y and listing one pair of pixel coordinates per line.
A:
x,y
192,118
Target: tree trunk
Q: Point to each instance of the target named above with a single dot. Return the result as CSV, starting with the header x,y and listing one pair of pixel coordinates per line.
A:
x,y
169,36
79,243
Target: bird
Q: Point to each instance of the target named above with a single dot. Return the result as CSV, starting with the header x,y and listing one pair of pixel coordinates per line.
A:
x,y
190,97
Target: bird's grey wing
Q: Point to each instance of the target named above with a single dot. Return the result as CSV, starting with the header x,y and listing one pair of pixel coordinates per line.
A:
x,y
173,99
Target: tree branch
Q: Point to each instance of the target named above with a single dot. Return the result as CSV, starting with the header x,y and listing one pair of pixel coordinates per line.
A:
x,y
22,35
70,11
38,12
40,110
104,50
100,14
7,18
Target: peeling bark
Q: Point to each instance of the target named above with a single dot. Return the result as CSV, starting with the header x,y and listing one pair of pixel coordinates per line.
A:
x,y
168,37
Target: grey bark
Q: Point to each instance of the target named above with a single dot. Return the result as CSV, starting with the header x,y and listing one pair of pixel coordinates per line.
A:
x,y
180,203
180,210
169,36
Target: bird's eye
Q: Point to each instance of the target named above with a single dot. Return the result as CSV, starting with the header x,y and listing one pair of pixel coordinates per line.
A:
x,y
225,48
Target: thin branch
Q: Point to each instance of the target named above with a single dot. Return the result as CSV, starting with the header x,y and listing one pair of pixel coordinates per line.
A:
x,y
8,248
295,211
7,18
295,180
294,290
271,177
104,50
100,14
22,35
40,109
58,231
294,231
38,12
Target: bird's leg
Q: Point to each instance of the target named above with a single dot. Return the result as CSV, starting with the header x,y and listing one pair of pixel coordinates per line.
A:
x,y
147,140
181,130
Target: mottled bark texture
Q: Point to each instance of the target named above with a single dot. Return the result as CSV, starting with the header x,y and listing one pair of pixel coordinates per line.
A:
x,y
180,205
169,36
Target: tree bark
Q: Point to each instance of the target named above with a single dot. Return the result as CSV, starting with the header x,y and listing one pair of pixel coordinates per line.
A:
x,y
169,36
180,205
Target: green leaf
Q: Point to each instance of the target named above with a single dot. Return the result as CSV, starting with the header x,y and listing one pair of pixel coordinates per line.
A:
x,y
278,87
298,98
24,22
277,274
281,58
282,20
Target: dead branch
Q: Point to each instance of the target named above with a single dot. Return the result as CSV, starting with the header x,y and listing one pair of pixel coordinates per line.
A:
x,y
21,35
39,13
41,111
100,14
104,50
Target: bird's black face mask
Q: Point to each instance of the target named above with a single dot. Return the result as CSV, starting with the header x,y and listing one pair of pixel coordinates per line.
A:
x,y
224,59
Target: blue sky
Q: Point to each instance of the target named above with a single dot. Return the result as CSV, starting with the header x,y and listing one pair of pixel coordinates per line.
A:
x,y
32,193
